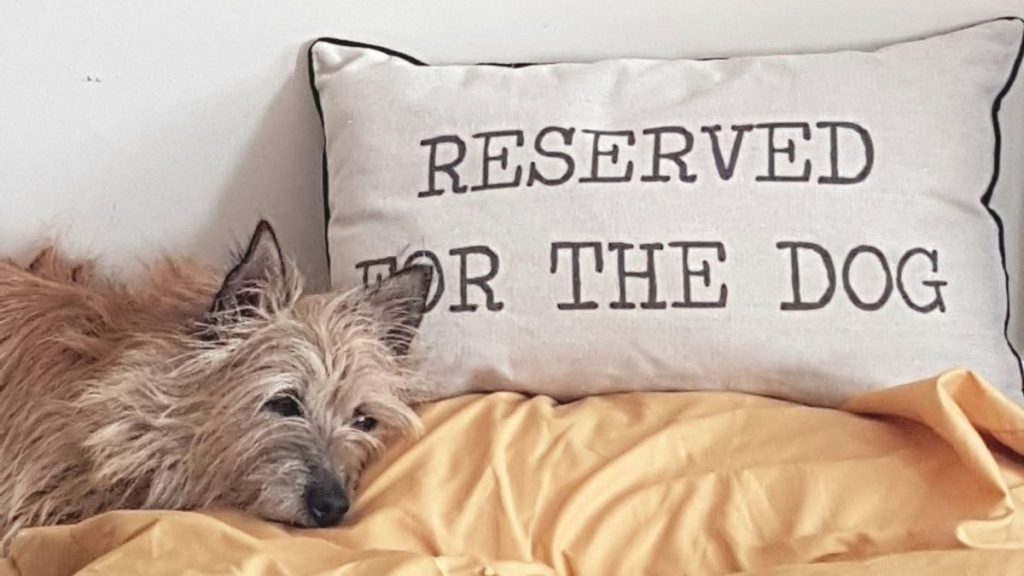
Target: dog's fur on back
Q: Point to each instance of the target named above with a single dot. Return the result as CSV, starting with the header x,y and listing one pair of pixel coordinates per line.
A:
x,y
194,389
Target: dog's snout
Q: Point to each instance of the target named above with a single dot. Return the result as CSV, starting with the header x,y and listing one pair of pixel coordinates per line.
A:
x,y
326,502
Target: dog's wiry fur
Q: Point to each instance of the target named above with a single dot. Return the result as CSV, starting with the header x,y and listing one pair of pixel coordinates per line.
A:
x,y
162,395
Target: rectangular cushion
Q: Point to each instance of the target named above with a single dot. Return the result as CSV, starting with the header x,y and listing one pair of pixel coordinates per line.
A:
x,y
802,226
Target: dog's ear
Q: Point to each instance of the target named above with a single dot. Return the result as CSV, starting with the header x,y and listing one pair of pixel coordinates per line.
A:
x,y
400,301
258,282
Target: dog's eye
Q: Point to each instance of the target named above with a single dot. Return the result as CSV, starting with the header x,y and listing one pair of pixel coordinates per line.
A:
x,y
364,422
284,405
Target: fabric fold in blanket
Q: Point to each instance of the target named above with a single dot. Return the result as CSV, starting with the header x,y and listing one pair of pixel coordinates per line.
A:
x,y
923,479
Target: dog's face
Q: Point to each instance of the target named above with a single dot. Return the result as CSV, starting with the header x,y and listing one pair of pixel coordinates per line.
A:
x,y
297,393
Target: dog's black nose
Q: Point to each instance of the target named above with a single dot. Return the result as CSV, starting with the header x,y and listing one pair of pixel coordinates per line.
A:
x,y
326,502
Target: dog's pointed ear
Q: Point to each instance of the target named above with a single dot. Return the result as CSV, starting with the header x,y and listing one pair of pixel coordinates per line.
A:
x,y
258,282
400,302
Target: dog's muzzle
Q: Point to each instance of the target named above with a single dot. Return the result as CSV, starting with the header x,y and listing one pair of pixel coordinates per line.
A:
x,y
326,501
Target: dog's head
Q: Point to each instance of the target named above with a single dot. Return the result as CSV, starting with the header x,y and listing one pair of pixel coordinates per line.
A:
x,y
309,387
288,396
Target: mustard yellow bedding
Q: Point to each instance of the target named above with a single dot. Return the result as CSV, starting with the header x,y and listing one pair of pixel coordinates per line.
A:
x,y
923,479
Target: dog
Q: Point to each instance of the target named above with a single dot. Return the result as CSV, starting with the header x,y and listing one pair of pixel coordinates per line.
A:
x,y
195,389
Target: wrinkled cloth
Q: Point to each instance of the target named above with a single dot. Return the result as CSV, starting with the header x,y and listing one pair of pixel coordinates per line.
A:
x,y
921,479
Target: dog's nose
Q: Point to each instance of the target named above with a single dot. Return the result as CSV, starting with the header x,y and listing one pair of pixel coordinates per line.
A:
x,y
326,503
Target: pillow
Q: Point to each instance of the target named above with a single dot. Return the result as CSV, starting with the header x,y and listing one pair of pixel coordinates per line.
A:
x,y
807,227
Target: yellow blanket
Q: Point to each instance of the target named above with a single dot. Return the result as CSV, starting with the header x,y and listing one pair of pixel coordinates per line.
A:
x,y
923,479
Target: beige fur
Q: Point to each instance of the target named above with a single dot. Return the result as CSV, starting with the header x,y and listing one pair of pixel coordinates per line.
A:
x,y
155,396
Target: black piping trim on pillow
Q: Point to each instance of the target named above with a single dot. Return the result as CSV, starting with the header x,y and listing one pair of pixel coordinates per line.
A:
x,y
323,126
985,199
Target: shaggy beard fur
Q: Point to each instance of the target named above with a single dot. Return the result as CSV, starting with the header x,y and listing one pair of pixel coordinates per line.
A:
x,y
194,389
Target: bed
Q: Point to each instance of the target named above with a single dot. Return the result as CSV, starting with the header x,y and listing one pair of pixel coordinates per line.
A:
x,y
921,479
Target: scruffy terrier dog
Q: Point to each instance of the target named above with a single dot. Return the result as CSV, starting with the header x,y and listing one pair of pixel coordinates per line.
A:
x,y
196,389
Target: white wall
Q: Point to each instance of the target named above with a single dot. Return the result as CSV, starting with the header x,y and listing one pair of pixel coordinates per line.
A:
x,y
131,127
